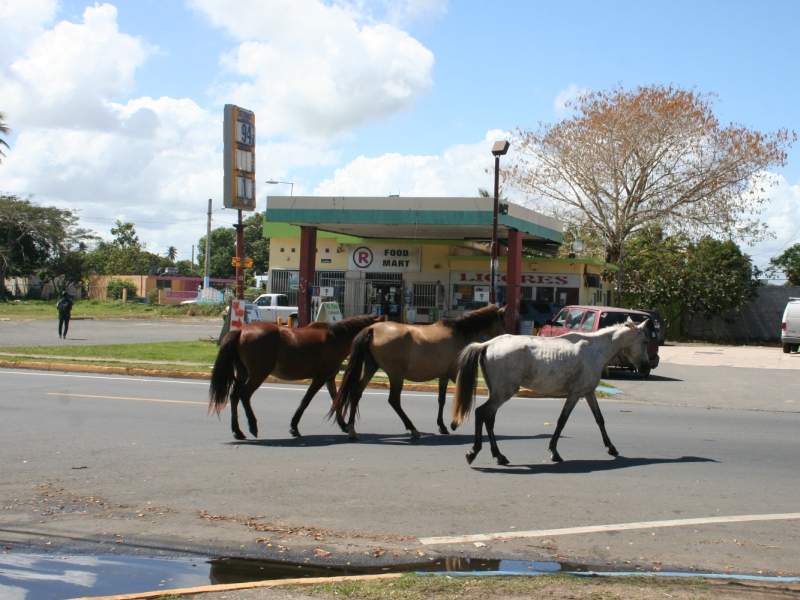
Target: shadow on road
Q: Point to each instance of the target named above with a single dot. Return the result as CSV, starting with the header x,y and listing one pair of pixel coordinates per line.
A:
x,y
590,466
399,439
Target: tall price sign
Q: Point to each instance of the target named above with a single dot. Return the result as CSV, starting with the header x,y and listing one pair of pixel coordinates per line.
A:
x,y
239,154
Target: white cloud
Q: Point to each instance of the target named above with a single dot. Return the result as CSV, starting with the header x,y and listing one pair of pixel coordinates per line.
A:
x,y
20,20
565,96
313,71
68,72
458,172
782,216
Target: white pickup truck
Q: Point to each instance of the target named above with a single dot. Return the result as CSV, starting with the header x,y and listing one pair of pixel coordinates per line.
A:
x,y
272,307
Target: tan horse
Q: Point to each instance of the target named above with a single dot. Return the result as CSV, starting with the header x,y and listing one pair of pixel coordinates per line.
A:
x,y
248,355
414,353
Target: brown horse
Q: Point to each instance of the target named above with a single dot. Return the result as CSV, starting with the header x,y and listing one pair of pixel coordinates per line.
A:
x,y
247,356
412,352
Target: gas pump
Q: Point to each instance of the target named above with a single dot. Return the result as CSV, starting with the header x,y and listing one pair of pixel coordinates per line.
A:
x,y
393,304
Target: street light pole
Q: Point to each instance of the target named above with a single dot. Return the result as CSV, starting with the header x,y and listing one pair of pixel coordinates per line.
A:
x,y
499,149
291,190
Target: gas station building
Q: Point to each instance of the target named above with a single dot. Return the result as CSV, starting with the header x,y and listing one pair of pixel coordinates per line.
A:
x,y
421,259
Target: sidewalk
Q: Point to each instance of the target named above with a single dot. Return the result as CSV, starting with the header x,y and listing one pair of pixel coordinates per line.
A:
x,y
752,357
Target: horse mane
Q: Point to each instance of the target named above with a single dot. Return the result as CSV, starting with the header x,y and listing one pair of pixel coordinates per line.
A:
x,y
350,326
473,322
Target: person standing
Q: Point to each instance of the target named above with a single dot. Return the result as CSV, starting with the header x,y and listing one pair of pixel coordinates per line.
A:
x,y
64,306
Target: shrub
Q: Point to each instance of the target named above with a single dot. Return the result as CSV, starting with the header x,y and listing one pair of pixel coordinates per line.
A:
x,y
115,287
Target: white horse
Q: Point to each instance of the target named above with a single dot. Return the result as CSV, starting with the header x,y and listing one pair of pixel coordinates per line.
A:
x,y
567,366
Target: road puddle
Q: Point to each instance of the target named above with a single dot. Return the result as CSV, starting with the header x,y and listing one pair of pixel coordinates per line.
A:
x,y
29,577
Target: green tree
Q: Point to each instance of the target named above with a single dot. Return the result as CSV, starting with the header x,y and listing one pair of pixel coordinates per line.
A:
x,y
256,246
653,155
125,235
172,254
787,263
718,278
4,130
222,249
31,235
124,255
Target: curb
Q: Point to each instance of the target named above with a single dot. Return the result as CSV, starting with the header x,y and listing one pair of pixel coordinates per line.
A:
x,y
139,372
230,587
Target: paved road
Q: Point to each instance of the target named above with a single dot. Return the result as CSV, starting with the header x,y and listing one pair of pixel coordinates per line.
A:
x,y
107,331
93,463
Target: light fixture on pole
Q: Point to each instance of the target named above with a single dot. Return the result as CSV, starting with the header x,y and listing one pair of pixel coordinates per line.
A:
x,y
499,149
273,182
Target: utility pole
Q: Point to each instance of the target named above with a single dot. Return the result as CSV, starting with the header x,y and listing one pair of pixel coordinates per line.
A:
x,y
206,279
239,258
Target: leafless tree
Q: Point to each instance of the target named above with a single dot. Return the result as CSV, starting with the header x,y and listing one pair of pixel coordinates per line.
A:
x,y
654,155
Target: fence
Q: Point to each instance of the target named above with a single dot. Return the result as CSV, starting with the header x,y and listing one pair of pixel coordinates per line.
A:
x,y
758,321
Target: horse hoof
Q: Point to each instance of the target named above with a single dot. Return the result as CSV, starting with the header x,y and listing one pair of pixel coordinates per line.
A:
x,y
415,434
294,432
239,435
501,460
612,451
556,458
471,456
443,430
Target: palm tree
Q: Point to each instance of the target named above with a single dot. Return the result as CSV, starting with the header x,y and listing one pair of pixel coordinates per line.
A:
x,y
4,130
172,253
484,193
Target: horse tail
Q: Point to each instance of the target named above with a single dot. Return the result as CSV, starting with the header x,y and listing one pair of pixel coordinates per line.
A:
x,y
466,382
223,376
347,396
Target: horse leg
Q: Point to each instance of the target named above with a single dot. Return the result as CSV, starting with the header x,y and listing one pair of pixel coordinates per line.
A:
x,y
331,385
253,382
591,399
491,413
237,433
478,443
562,420
395,389
315,386
443,381
368,371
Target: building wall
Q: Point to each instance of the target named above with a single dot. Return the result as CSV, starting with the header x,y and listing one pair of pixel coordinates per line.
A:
x,y
454,268
754,322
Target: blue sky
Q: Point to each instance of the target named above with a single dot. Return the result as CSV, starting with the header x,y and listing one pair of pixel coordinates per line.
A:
x,y
117,107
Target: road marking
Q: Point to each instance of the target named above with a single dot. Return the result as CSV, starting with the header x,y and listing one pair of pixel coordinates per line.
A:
x,y
125,398
482,537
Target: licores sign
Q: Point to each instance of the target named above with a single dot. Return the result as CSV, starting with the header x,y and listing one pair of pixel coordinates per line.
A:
x,y
383,259
239,155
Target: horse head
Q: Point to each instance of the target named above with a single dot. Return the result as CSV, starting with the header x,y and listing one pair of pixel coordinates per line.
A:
x,y
635,348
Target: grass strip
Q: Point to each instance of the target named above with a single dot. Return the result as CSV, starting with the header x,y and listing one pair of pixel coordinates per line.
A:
x,y
476,587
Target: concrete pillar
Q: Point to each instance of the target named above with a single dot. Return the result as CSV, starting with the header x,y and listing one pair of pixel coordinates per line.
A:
x,y
513,279
308,257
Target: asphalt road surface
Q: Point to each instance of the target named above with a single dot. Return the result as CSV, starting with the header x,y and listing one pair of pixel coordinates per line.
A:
x,y
98,464
107,331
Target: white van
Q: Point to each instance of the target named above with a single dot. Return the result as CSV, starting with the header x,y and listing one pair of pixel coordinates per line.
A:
x,y
790,326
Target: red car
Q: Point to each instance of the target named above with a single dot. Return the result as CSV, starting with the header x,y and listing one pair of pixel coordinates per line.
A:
x,y
592,318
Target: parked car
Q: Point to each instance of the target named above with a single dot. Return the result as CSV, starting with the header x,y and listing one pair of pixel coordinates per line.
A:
x,y
592,318
790,326
659,323
534,313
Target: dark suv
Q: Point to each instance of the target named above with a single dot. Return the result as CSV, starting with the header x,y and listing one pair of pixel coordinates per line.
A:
x,y
533,314
659,322
592,318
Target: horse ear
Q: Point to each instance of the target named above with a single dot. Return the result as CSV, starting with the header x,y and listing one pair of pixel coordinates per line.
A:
x,y
502,311
630,324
